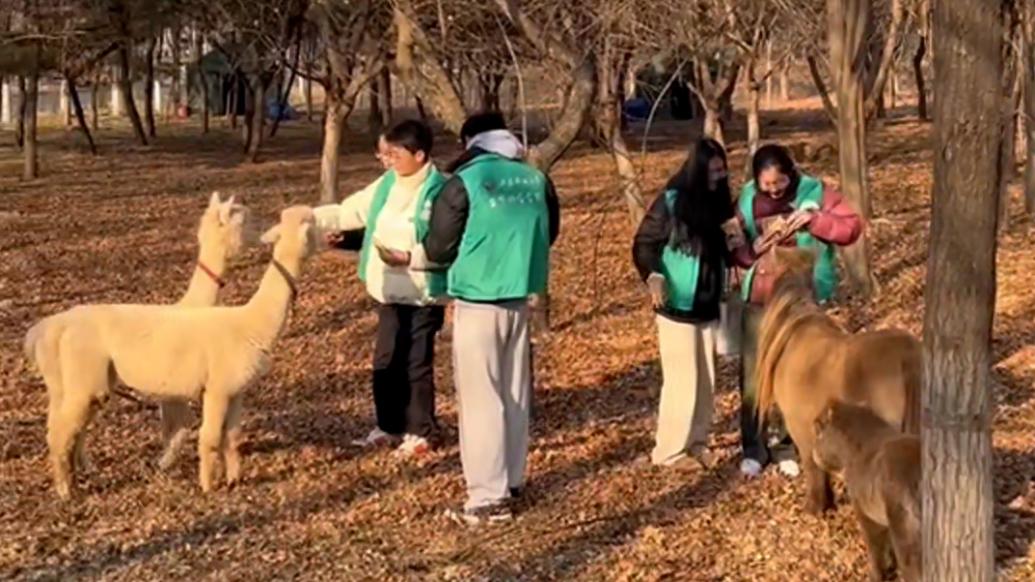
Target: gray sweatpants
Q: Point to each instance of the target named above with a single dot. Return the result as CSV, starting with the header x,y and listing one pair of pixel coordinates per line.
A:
x,y
492,370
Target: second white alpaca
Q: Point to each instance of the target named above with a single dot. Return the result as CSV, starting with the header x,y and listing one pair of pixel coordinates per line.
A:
x,y
168,351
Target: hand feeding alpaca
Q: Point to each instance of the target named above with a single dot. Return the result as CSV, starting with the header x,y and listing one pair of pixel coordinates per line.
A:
x,y
805,359
171,351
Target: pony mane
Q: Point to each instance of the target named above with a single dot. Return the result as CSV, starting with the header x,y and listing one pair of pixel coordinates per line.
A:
x,y
791,305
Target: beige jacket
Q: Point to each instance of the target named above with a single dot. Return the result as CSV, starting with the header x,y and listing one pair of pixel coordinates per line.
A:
x,y
394,229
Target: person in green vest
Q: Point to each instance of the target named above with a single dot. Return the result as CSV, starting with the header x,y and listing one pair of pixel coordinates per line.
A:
x,y
492,228
680,250
795,210
393,211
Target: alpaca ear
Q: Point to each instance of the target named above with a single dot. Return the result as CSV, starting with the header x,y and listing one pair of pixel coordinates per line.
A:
x,y
214,201
272,235
226,210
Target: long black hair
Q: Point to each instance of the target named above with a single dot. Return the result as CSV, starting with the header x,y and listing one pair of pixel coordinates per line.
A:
x,y
698,213
776,156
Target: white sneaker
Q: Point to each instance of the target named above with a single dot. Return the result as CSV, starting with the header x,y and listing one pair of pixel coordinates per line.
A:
x,y
375,438
750,468
413,446
789,468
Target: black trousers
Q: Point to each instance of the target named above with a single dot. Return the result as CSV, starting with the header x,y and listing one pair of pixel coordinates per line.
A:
x,y
404,369
763,442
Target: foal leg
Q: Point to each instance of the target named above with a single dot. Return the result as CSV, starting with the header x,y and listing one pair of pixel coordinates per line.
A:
x,y
176,422
210,437
877,547
232,441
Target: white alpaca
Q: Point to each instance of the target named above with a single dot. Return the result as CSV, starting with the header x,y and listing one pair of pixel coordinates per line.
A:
x,y
225,229
171,351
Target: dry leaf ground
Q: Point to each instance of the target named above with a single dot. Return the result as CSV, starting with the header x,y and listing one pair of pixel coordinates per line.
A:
x,y
120,228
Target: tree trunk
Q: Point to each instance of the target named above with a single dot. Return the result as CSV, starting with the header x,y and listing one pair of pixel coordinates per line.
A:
x,y
918,72
175,86
126,89
1012,63
95,115
283,100
713,126
258,117
847,22
1028,78
420,109
374,115
956,489
821,88
29,114
333,129
235,99
769,74
199,55
149,87
64,103
384,93
754,126
19,128
79,115
785,85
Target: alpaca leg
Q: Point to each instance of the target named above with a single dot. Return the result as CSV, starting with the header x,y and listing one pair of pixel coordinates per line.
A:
x,y
232,441
64,428
82,463
176,422
210,437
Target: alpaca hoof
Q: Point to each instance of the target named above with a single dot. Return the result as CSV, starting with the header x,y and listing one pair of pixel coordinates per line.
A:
x,y
166,462
64,492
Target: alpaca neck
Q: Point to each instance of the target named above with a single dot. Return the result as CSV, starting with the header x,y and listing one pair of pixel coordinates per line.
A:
x,y
203,290
268,308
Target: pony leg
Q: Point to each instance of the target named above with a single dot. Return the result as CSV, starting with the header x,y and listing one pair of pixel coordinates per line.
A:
x,y
905,540
877,547
232,441
213,415
819,496
176,422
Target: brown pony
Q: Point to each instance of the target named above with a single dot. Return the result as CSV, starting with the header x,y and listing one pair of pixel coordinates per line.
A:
x,y
805,360
881,468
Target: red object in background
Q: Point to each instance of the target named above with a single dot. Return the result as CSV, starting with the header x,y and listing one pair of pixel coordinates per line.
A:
x,y
183,111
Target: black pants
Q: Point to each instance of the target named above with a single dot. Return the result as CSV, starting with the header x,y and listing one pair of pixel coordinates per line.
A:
x,y
404,370
763,442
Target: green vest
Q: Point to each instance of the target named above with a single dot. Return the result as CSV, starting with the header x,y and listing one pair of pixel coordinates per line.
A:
x,y
505,248
429,190
682,272
825,272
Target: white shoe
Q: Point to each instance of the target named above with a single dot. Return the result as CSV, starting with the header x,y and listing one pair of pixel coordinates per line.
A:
x,y
375,438
413,446
789,468
750,468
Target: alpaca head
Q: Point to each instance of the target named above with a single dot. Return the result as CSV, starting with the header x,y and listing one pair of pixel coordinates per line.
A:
x,y
226,226
295,234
